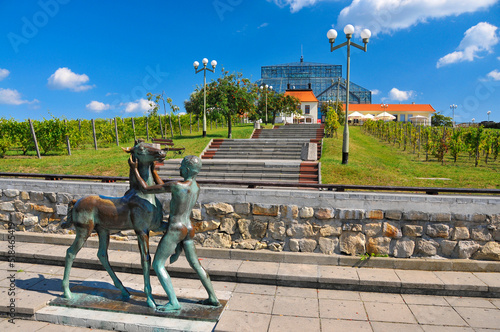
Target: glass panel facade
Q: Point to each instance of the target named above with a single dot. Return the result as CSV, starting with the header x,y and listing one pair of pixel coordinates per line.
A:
x,y
324,79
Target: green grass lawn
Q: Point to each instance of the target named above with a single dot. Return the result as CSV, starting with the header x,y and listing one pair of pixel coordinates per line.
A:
x,y
371,162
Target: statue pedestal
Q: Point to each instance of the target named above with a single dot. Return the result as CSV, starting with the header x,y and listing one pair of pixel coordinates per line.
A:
x,y
105,309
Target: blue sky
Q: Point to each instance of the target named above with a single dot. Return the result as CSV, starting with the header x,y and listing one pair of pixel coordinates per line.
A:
x,y
98,59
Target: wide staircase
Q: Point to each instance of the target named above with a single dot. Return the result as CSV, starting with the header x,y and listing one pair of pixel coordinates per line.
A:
x,y
271,155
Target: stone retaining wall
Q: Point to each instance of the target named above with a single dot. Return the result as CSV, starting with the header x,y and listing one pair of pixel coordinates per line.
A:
x,y
321,227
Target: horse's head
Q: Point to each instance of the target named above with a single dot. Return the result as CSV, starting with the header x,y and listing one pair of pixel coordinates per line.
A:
x,y
146,153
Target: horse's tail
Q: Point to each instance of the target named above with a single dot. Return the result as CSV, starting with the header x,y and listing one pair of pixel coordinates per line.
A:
x,y
69,216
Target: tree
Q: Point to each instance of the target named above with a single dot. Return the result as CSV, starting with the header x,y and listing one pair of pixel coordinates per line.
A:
x,y
279,102
331,122
155,107
231,95
439,119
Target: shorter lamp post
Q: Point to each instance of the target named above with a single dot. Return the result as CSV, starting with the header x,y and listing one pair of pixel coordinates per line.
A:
x,y
196,64
265,89
489,112
473,119
332,34
453,107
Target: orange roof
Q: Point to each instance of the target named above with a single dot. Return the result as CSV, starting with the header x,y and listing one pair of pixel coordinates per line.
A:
x,y
303,95
391,108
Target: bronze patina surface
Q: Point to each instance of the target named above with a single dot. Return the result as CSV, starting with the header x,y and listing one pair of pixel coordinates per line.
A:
x,y
111,300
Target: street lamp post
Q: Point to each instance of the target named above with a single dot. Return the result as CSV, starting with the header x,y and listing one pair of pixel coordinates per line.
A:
x,y
365,35
265,89
489,112
196,64
453,108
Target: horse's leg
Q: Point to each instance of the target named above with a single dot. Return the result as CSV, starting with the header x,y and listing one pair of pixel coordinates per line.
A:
x,y
82,233
102,254
143,240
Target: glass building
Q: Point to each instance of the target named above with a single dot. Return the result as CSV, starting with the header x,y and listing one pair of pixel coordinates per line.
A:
x,y
324,79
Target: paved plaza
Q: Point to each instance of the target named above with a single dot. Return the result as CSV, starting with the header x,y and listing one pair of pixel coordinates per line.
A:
x,y
262,296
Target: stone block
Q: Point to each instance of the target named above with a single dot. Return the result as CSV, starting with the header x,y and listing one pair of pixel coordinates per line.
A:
x,y
496,235
215,209
426,247
352,243
375,214
447,247
196,214
205,226
11,193
252,229
459,217
330,230
276,230
372,229
438,230
378,245
481,234
478,218
416,216
324,213
37,196
490,251
440,217
460,233
392,231
17,218
350,214
242,208
352,227
275,246
404,248
64,198
301,230
228,225
21,206
52,197
289,212
249,244
41,208
265,210
24,195
309,152
307,245
467,248
393,214
328,246
30,220
5,216
218,240
306,212
7,207
413,230
294,245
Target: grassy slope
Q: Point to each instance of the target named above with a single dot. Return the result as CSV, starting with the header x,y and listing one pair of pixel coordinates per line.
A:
x,y
372,162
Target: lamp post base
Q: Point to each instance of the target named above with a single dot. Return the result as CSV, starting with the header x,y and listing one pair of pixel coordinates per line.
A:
x,y
345,158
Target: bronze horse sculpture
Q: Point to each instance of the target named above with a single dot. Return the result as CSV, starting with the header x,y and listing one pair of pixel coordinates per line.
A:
x,y
136,210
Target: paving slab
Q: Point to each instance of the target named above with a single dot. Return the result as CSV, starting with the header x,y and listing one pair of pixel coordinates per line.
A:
x,y
223,267
295,306
297,292
419,279
243,321
389,312
258,270
490,279
424,299
480,317
299,324
256,289
345,325
461,281
298,272
378,278
342,309
337,275
338,294
381,297
458,301
436,315
384,327
251,303
435,328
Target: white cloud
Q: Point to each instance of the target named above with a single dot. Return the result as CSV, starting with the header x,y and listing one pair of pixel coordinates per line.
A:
x,y
64,78
143,105
295,5
477,39
97,106
13,97
494,75
263,25
386,16
396,94
375,92
4,73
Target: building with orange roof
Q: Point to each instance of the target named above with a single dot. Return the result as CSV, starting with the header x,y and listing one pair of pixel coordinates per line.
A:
x,y
416,113
308,105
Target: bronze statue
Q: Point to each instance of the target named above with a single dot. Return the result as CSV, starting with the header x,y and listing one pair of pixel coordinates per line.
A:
x,y
180,231
140,211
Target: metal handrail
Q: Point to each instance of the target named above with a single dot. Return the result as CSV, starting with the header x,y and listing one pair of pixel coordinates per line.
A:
x,y
254,184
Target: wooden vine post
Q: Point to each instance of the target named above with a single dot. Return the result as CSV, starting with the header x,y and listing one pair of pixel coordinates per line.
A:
x,y
133,128
116,134
93,132
34,139
68,146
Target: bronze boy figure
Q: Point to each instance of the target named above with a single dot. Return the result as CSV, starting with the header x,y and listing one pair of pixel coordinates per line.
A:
x,y
180,232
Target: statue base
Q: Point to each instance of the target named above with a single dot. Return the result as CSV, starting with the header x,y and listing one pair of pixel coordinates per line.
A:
x,y
105,308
